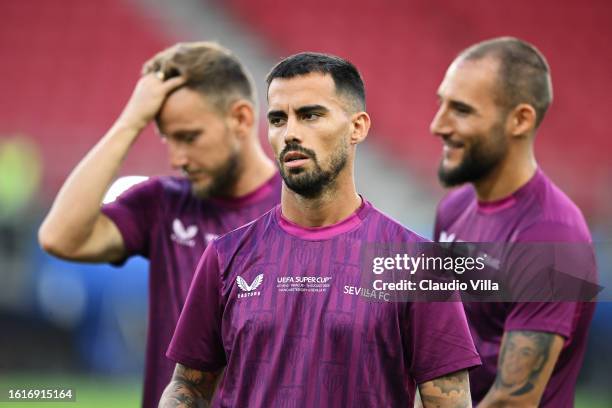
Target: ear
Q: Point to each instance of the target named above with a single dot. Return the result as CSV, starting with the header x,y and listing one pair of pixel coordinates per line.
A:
x,y
361,127
242,117
522,120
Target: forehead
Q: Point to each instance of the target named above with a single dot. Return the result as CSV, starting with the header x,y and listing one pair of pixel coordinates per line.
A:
x,y
471,81
310,89
184,107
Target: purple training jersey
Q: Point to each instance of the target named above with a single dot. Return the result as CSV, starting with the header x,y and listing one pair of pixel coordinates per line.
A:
x,y
163,221
537,212
278,306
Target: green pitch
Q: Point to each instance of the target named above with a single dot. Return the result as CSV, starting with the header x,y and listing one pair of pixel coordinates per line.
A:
x,y
106,392
91,392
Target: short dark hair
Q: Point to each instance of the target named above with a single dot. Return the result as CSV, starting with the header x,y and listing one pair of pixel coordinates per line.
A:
x,y
209,68
524,74
346,77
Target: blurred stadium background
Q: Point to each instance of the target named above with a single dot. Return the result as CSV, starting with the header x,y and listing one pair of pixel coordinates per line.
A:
x,y
68,66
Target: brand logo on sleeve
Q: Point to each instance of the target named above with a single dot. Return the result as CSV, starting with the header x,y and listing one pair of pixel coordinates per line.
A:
x,y
249,290
182,235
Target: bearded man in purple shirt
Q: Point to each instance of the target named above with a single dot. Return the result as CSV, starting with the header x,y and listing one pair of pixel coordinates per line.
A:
x,y
272,302
204,104
492,100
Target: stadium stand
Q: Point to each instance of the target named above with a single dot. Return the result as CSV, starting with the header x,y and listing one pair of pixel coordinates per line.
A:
x,y
59,59
403,47
68,68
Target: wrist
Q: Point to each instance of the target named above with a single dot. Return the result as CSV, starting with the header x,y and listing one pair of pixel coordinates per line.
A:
x,y
126,123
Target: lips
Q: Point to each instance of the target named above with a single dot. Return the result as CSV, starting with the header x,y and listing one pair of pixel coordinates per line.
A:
x,y
454,144
294,159
194,175
190,173
294,156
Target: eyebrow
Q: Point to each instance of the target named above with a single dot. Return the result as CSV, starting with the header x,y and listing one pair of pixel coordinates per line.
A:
x,y
302,110
455,104
276,114
311,108
182,133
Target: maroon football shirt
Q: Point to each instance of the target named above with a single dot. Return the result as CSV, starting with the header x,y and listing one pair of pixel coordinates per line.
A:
x,y
271,302
537,212
163,221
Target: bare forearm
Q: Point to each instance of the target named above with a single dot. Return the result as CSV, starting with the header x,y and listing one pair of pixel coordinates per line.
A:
x,y
495,399
450,391
189,388
179,393
77,205
73,228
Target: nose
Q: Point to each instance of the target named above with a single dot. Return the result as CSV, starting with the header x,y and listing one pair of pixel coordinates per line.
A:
x,y
292,133
440,124
178,155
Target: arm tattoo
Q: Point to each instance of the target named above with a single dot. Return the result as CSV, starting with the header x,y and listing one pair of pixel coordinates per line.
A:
x,y
189,388
522,358
450,391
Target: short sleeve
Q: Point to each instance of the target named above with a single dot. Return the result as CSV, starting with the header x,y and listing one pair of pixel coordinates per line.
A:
x,y
133,212
551,317
553,261
438,340
567,250
197,341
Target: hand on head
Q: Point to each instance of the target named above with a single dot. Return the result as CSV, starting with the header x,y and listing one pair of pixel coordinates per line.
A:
x,y
148,97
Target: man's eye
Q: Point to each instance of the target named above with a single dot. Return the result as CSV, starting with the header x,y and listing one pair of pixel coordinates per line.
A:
x,y
463,110
187,138
276,121
310,116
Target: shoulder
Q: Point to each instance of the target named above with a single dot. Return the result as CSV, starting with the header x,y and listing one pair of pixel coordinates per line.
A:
x,y
249,233
547,230
132,192
173,186
454,203
129,186
172,194
147,186
553,217
457,200
388,228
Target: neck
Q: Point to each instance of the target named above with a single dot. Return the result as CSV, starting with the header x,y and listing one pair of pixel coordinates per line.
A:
x,y
257,168
510,175
335,204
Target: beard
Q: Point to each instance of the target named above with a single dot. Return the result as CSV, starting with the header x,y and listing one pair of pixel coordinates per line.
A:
x,y
312,183
479,159
224,179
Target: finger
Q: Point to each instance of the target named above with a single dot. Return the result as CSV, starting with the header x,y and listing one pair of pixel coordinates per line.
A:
x,y
149,78
173,83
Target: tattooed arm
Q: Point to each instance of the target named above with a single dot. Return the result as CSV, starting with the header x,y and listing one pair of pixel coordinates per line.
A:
x,y
450,391
189,388
526,361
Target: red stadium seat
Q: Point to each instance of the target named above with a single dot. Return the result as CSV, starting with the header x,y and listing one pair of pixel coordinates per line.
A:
x,y
403,48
